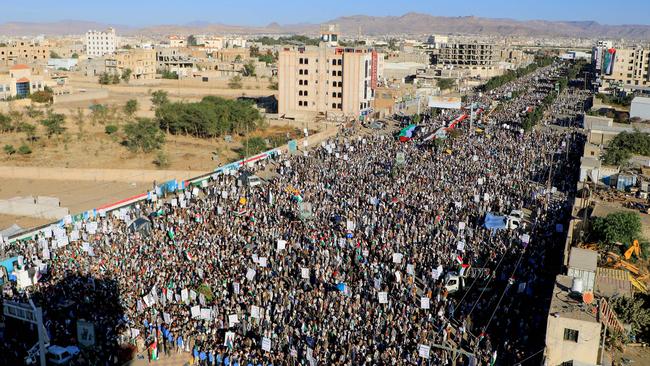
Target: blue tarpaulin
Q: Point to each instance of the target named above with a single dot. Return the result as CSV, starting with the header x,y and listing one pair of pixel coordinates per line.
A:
x,y
494,222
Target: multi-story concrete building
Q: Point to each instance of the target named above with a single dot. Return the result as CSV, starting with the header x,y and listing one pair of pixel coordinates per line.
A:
x,y
625,68
24,52
19,82
175,60
327,79
100,43
177,41
142,63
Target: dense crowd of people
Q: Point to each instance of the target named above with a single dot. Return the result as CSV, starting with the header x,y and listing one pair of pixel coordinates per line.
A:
x,y
341,258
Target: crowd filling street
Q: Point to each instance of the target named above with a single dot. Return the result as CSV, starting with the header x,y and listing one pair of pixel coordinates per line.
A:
x,y
341,258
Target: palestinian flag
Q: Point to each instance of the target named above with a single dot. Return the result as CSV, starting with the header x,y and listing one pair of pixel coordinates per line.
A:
x,y
154,350
406,133
493,359
459,259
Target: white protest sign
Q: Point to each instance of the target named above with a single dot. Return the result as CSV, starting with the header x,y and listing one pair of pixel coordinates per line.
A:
x,y
174,202
461,225
282,244
262,261
525,238
423,351
480,181
67,219
167,318
460,246
46,254
350,225
185,295
229,339
304,273
250,274
266,344
383,297
255,312
206,314
233,320
397,257
410,269
74,235
424,303
135,332
398,276
195,191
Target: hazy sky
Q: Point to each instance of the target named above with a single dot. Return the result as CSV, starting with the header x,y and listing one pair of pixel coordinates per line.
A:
x,y
262,12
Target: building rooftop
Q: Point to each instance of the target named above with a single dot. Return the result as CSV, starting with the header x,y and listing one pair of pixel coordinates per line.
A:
x,y
22,80
20,67
565,305
612,282
641,100
584,259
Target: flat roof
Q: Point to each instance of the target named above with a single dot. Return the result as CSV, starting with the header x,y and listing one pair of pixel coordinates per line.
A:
x,y
612,282
563,305
584,259
641,100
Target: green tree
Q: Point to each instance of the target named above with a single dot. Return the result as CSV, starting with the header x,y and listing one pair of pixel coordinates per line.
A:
x,y
126,75
254,51
33,112
42,96
621,148
143,135
252,146
392,44
618,227
235,82
191,40
54,55
166,74
9,149
104,78
131,107
249,69
159,98
110,129
445,84
6,124
54,124
636,312
238,58
75,55
28,129
115,79
24,150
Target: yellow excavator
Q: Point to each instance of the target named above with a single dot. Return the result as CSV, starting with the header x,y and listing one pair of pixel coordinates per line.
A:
x,y
637,276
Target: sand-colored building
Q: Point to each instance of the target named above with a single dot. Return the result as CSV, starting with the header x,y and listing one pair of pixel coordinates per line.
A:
x,y
24,52
327,79
141,62
626,68
20,82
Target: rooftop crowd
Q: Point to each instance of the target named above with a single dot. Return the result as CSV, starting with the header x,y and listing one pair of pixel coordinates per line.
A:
x,y
264,267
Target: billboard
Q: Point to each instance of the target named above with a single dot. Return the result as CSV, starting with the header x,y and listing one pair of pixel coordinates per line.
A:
x,y
598,58
608,65
373,70
445,102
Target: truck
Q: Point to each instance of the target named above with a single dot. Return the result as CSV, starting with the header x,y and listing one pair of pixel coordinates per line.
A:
x,y
455,282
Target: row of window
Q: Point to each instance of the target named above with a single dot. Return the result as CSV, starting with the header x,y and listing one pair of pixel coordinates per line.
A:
x,y
303,103
303,82
337,106
303,72
337,73
337,84
303,93
303,61
337,62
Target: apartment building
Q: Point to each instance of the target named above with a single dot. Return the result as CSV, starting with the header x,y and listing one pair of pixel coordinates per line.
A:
x,y
141,62
625,68
100,43
24,52
177,41
175,60
327,79
19,82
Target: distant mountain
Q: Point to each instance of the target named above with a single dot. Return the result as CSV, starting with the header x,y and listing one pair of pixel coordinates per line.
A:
x,y
407,24
63,27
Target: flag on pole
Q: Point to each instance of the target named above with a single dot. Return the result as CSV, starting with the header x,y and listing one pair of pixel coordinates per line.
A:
x,y
493,359
154,350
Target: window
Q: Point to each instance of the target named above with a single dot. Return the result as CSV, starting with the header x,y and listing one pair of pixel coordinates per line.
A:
x,y
334,105
567,363
300,103
299,82
300,71
300,61
340,106
305,93
570,335
333,73
340,62
306,61
366,68
333,62
339,73
306,82
300,93
340,95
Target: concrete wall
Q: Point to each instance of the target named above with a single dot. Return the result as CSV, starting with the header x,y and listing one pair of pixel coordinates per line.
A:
x,y
584,352
23,208
93,175
81,97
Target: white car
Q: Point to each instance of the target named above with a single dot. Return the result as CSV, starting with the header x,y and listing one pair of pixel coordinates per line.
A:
x,y
58,355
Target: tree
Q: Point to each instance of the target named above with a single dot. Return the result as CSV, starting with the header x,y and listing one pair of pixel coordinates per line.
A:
x,y
110,129
252,146
191,40
33,112
9,149
625,144
618,227
159,98
104,78
444,84
161,160
28,129
126,75
115,79
235,82
166,74
254,51
5,123
42,96
392,44
249,69
238,58
54,124
131,107
54,55
143,135
636,312
75,55
24,150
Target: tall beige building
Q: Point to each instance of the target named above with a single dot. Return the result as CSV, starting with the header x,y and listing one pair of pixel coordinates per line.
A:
x,y
24,52
327,79
626,68
142,63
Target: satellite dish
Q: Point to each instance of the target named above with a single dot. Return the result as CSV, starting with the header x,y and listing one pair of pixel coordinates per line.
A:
x,y
588,297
